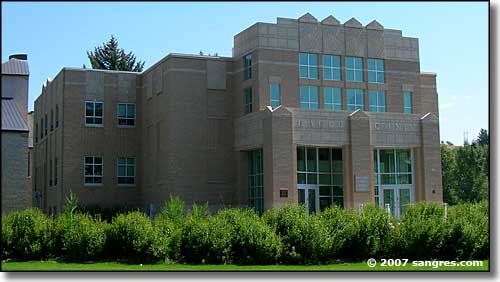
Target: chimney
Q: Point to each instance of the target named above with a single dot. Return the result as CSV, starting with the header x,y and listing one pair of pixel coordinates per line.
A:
x,y
19,57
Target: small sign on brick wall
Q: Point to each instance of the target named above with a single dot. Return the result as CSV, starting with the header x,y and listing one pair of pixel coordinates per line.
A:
x,y
283,193
362,183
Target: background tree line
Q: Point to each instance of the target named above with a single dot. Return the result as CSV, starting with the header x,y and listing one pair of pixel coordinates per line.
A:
x,y
466,170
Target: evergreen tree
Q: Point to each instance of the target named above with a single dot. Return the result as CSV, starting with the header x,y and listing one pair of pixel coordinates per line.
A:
x,y
110,57
483,138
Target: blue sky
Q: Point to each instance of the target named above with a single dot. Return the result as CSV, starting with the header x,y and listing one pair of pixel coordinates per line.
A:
x,y
453,39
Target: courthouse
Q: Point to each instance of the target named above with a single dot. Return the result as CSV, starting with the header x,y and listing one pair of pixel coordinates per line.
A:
x,y
306,111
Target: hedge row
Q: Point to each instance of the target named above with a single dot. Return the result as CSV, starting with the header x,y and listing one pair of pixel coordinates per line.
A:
x,y
285,235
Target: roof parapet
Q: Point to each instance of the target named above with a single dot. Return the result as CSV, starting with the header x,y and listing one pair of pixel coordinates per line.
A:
x,y
330,20
353,22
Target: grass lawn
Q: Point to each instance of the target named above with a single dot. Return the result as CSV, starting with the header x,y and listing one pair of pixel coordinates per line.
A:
x,y
111,266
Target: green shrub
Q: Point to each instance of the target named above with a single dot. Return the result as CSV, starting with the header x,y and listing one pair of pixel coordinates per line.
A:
x,y
343,226
469,231
6,237
206,240
170,232
83,237
375,233
132,237
421,233
305,238
105,213
29,235
252,240
174,209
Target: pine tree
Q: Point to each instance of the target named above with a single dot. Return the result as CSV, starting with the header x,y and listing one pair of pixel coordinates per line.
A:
x,y
110,57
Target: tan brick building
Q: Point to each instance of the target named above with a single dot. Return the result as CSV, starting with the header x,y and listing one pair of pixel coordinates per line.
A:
x,y
304,111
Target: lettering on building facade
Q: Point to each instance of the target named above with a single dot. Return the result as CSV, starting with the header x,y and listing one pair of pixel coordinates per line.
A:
x,y
319,124
395,126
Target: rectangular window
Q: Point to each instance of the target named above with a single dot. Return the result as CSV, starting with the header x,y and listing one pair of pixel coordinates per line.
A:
x,y
126,170
126,114
36,132
377,101
46,124
354,69
41,128
55,171
408,104
308,65
248,100
392,167
256,180
332,98
29,163
375,71
57,116
275,95
94,113
247,67
309,97
93,168
51,119
50,173
331,67
355,99
322,167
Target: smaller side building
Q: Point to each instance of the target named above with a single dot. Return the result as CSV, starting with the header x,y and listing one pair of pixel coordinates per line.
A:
x,y
14,157
15,134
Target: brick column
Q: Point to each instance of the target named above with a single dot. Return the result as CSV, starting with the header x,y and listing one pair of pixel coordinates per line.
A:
x,y
279,157
361,158
431,158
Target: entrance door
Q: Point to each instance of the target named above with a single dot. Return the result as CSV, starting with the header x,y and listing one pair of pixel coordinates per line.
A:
x,y
398,197
308,196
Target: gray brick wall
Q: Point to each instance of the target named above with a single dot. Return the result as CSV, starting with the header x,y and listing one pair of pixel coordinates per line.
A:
x,y
14,171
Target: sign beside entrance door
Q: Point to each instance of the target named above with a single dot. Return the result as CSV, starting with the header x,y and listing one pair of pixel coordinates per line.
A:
x,y
362,183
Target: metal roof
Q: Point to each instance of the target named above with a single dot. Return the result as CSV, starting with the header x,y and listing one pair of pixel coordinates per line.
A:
x,y
15,67
12,119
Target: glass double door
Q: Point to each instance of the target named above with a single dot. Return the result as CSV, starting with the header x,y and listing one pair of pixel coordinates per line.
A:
x,y
398,197
309,197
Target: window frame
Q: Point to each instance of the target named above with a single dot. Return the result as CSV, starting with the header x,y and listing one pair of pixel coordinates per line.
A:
x,y
126,118
355,105
55,171
333,69
271,100
50,173
354,69
46,124
247,100
376,71
377,107
247,66
93,116
332,104
309,103
51,120
57,116
93,175
308,66
405,106
316,172
255,176
126,165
